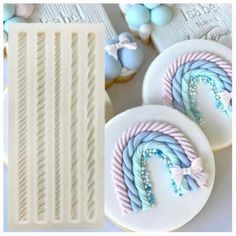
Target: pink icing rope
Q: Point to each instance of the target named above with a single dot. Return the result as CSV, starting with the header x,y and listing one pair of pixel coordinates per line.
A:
x,y
167,81
117,172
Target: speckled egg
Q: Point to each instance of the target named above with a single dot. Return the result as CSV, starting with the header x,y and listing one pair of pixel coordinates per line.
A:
x,y
14,19
131,59
8,11
151,6
137,15
161,15
24,10
112,67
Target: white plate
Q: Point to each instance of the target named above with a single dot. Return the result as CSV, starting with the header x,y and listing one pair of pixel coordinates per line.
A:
x,y
217,127
171,211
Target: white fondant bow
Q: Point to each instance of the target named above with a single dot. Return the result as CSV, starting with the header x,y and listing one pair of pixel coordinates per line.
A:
x,y
225,97
195,171
123,43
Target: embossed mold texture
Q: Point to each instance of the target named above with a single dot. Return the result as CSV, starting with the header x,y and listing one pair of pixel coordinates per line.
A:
x,y
56,126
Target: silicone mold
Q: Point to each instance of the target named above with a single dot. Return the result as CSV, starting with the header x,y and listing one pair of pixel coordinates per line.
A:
x,y
56,125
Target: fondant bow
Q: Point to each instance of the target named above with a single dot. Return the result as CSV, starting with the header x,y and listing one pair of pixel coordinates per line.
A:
x,y
195,171
123,43
225,97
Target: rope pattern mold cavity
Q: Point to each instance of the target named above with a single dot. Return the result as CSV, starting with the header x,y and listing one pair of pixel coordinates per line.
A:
x,y
57,53
74,120
91,127
41,155
22,129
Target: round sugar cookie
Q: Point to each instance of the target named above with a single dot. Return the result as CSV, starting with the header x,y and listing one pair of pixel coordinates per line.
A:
x,y
166,136
195,77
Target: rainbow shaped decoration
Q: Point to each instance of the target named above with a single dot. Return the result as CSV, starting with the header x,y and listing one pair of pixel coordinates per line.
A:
x,y
186,72
153,139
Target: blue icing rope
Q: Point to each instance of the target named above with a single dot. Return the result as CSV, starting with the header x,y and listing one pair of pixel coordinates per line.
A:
x,y
137,147
188,76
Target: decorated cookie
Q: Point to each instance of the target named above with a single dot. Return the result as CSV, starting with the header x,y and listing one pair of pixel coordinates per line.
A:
x,y
141,17
195,77
156,161
123,57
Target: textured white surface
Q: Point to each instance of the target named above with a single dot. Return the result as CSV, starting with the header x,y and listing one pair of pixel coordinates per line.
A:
x,y
217,213
73,13
56,96
217,127
165,214
195,21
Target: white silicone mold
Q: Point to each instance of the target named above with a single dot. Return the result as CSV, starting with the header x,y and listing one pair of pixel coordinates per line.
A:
x,y
56,125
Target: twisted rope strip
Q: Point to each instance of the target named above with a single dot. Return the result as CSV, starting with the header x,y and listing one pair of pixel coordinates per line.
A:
x,y
190,61
22,129
91,127
137,169
57,197
117,161
176,154
187,103
74,120
41,175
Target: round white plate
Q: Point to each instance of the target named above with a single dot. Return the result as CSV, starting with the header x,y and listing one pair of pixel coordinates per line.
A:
x,y
170,211
217,127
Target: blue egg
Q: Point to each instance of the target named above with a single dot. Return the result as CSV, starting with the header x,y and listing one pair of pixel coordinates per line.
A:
x,y
8,11
137,15
14,19
128,35
131,59
112,67
161,15
151,6
111,41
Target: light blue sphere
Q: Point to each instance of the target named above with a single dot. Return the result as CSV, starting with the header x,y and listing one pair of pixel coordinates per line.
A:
x,y
161,15
112,67
151,6
8,11
131,59
128,35
14,19
137,15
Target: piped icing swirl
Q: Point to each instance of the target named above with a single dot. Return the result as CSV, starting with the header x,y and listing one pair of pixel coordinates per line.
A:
x,y
186,72
153,139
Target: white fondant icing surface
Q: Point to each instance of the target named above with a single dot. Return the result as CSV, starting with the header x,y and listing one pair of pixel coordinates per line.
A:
x,y
170,211
217,127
